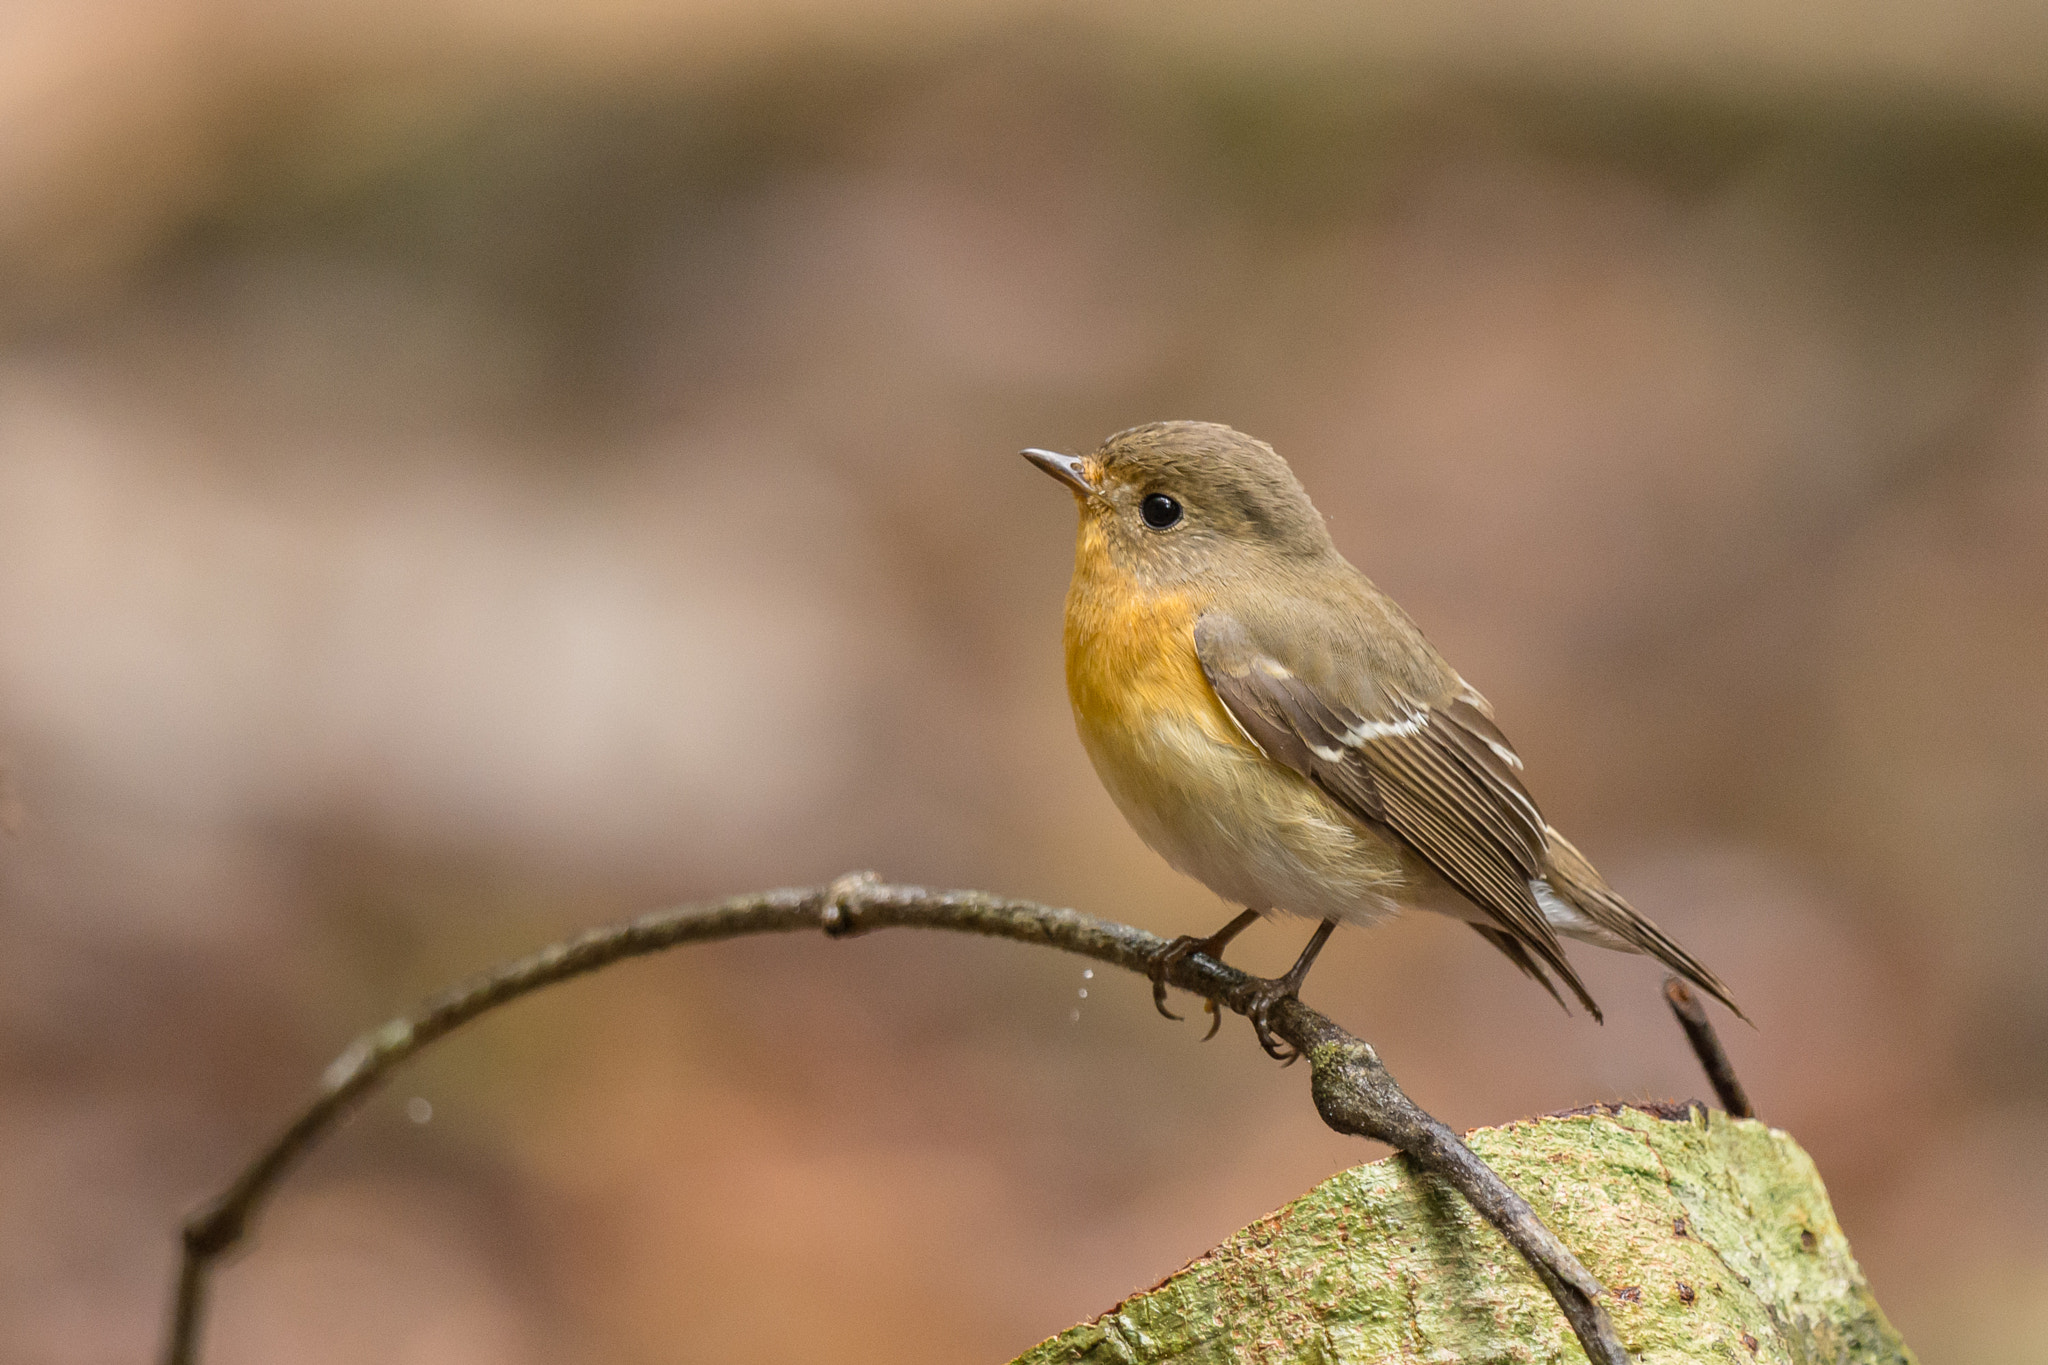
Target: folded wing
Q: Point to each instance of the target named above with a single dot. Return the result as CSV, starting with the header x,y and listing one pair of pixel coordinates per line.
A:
x,y
1438,774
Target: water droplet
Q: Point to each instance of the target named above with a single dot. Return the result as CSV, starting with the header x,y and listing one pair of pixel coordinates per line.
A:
x,y
418,1109
1074,1017
1084,992
1087,973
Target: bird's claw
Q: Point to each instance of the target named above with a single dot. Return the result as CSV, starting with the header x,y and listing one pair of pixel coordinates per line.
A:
x,y
1186,946
1265,996
1259,1010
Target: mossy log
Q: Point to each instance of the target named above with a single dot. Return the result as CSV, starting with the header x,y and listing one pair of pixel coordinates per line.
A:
x,y
1713,1235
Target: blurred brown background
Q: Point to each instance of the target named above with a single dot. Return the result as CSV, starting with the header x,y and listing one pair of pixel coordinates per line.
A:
x,y
469,471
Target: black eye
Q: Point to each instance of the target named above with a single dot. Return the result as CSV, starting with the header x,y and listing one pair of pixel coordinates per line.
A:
x,y
1159,511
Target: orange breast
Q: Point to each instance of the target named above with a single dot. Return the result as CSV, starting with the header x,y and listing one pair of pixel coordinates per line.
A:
x,y
1131,655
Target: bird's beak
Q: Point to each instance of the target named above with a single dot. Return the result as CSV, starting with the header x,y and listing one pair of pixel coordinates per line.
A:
x,y
1071,470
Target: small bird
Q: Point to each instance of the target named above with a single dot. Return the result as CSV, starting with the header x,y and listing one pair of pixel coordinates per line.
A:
x,y
1274,726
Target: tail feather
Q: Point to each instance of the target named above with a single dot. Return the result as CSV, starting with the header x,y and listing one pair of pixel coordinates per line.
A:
x,y
1576,880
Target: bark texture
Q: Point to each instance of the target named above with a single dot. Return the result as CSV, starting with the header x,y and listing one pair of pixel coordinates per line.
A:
x,y
1713,1235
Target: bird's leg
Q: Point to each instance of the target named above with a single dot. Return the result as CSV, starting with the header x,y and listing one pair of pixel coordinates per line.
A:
x,y
1186,946
1272,992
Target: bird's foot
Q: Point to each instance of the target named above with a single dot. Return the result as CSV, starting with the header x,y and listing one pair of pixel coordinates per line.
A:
x,y
1269,992
1186,946
1259,1009
1164,961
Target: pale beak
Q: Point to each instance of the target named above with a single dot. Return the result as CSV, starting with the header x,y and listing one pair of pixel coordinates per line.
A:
x,y
1070,470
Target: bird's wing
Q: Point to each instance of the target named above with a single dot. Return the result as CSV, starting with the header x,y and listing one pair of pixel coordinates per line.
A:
x,y
1438,773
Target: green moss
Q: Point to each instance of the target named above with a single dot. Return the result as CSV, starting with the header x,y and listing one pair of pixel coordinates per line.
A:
x,y
1714,1237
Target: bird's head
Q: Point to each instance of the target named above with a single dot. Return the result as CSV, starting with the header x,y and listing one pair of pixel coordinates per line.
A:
x,y
1173,501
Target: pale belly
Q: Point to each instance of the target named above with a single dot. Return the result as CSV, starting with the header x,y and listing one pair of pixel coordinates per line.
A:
x,y
1256,834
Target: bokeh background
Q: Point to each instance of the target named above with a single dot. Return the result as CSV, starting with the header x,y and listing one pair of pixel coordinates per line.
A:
x,y
470,471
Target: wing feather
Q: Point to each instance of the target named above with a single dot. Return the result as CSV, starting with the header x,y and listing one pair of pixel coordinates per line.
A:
x,y
1440,776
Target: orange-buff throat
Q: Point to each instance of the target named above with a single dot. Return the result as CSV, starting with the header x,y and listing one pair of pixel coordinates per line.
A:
x,y
1131,653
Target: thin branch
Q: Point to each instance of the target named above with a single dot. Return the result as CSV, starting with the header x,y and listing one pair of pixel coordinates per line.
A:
x,y
1706,1045
1353,1091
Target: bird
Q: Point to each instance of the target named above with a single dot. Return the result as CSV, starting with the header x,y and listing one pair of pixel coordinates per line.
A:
x,y
1276,727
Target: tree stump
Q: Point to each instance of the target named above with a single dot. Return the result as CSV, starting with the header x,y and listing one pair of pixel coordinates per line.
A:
x,y
1713,1235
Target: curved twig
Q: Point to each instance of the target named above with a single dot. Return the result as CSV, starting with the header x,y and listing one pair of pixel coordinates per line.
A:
x,y
1353,1091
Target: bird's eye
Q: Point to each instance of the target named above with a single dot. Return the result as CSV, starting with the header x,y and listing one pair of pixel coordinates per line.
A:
x,y
1159,511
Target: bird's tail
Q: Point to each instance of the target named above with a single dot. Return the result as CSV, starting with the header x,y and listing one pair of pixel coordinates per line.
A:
x,y
1576,880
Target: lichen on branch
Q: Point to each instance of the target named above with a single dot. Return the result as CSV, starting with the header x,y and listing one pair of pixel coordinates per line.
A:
x,y
1714,1235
